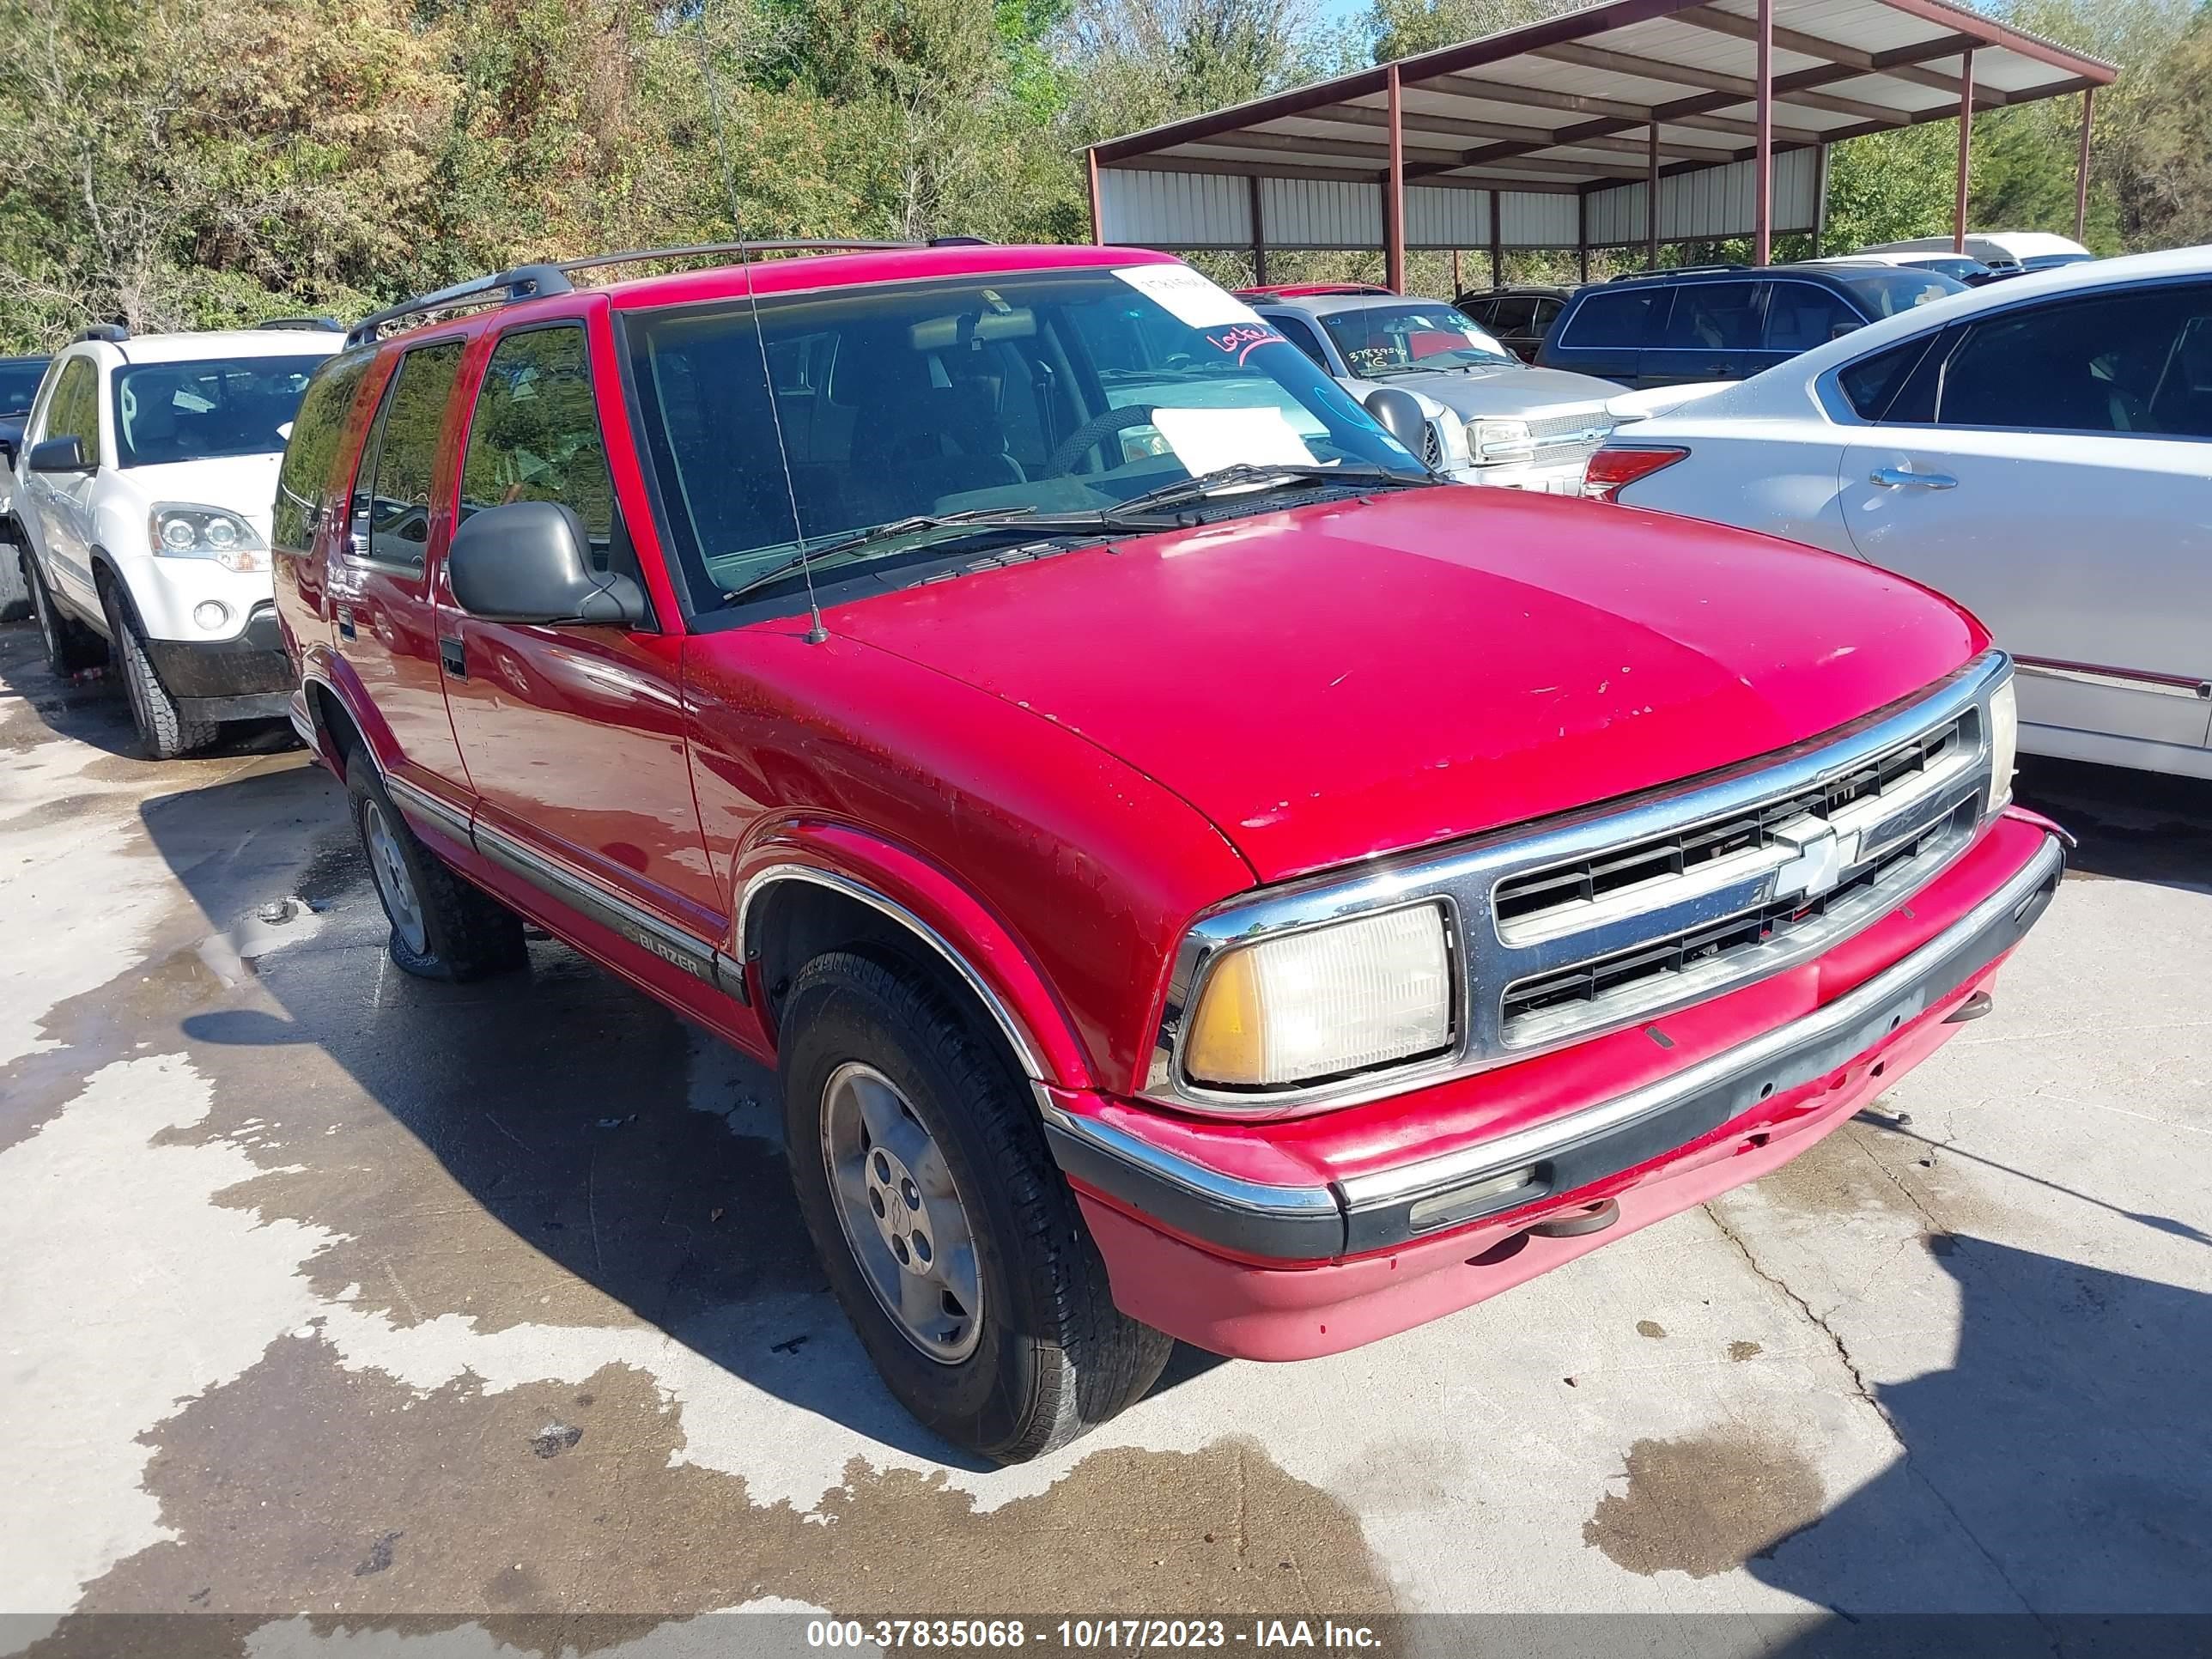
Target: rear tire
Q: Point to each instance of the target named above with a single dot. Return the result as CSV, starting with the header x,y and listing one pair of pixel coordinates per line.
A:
x,y
1044,1355
442,927
71,645
164,728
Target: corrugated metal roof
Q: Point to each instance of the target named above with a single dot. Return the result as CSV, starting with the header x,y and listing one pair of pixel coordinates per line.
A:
x,y
1566,105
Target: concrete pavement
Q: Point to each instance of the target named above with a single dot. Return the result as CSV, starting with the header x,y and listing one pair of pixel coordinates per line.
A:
x,y
325,1290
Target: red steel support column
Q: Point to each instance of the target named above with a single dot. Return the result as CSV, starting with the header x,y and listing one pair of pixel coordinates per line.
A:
x,y
1581,234
1651,203
1497,243
1259,238
1965,147
1098,221
1394,197
1459,285
1762,210
2081,165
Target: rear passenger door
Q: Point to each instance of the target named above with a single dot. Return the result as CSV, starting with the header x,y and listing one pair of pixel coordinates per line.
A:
x,y
379,582
1713,333
573,735
2050,466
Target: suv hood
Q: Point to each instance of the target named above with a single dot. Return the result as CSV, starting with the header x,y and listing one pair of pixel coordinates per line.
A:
x,y
1508,390
1337,681
244,484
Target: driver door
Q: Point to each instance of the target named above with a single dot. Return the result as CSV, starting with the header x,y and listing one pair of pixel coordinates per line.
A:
x,y
573,736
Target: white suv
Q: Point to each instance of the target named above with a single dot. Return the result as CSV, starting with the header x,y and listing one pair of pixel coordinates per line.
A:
x,y
142,494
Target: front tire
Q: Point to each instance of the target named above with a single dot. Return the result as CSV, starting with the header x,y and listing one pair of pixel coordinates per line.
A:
x,y
948,1235
442,927
165,731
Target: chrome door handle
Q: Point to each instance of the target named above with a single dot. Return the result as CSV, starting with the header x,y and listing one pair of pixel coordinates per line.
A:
x,y
1897,478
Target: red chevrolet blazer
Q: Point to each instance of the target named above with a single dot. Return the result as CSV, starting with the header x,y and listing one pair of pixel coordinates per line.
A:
x,y
1195,875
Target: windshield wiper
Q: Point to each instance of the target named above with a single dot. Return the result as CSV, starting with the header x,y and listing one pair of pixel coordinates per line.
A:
x,y
1025,520
1254,472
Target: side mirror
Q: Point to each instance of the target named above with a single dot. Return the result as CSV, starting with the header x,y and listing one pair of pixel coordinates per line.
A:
x,y
1398,412
1839,330
11,441
528,561
59,455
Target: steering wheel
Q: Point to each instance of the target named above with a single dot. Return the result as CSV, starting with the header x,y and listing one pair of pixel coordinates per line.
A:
x,y
1092,432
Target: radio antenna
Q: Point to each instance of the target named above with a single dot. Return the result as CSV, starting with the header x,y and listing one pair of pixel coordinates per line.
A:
x,y
818,633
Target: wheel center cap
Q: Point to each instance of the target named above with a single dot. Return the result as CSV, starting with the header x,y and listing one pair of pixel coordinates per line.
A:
x,y
902,1216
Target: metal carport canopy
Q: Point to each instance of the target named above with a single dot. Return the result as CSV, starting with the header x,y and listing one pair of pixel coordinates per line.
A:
x,y
1636,121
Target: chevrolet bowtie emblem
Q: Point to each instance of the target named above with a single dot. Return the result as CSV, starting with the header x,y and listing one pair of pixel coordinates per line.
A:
x,y
1820,858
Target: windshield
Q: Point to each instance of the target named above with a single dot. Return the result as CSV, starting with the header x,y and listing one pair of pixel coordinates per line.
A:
x,y
18,385
1885,293
1380,341
1046,392
200,411
2051,261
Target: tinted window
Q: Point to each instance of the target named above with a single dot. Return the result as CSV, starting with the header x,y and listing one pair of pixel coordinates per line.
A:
x,y
1616,317
74,410
535,435
1957,266
397,504
2136,362
1870,385
19,383
1482,313
168,412
1802,315
1514,316
1887,292
1715,317
1300,333
1054,391
1547,312
2049,261
311,454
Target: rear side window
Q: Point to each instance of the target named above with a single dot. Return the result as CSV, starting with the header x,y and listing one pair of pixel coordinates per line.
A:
x,y
392,498
75,410
304,486
1870,385
2138,360
535,435
1616,317
1715,317
1802,315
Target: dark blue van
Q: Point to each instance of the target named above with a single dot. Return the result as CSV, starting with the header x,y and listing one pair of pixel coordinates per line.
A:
x,y
1725,322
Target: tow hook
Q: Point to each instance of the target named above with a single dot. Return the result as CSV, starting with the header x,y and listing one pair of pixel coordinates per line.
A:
x,y
1573,1223
1972,1009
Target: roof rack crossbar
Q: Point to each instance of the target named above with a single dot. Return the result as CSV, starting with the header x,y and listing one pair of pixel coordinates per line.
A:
x,y
523,283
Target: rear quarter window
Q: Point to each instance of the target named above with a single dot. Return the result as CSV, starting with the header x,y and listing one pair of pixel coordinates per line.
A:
x,y
1617,317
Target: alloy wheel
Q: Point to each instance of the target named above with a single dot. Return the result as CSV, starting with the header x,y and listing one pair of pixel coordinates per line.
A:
x,y
387,863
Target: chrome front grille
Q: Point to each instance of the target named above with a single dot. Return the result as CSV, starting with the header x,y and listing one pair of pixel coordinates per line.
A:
x,y
1619,915
1560,438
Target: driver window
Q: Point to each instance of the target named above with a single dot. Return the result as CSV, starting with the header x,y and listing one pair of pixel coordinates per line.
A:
x,y
74,411
535,433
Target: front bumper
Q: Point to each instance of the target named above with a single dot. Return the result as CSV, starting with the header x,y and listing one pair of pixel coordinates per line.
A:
x,y
246,676
1544,480
1213,1254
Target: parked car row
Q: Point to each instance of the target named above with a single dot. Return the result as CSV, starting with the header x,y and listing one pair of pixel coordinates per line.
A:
x,y
1196,874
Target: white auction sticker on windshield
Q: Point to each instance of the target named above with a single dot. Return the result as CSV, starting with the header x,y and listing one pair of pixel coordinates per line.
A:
x,y
1189,297
1207,440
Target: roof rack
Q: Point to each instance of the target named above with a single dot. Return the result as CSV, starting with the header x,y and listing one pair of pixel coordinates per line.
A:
x,y
533,282
112,333
1676,271
308,325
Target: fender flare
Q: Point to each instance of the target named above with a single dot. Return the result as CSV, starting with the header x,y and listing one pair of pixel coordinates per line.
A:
x,y
326,668
941,914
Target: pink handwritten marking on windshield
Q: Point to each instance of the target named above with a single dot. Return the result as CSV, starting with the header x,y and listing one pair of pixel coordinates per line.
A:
x,y
1242,339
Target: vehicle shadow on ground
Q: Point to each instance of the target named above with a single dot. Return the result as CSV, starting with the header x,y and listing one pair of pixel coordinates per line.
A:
x,y
601,1133
2066,1442
2132,826
92,708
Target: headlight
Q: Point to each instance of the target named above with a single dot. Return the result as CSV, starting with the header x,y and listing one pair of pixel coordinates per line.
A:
x,y
180,531
2004,742
1492,442
1346,997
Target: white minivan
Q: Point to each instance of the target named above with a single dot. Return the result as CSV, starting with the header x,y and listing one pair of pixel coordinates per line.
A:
x,y
142,492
